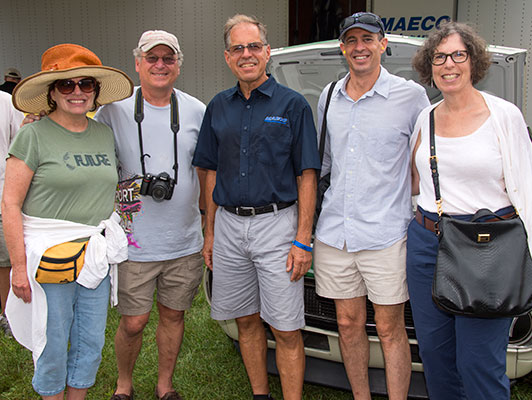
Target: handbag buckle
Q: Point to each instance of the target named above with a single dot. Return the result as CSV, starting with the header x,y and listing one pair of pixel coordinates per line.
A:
x,y
483,237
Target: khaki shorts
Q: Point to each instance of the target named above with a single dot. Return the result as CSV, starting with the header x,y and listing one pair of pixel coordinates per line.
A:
x,y
176,282
378,274
4,255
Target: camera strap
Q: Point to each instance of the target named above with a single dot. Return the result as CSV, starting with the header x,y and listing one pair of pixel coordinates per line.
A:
x,y
174,126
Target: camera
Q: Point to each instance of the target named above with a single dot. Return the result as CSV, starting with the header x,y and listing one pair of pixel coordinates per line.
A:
x,y
160,187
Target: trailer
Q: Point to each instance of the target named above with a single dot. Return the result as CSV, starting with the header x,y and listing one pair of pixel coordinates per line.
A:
x,y
499,22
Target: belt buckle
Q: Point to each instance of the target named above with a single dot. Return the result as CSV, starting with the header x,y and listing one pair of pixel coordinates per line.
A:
x,y
246,208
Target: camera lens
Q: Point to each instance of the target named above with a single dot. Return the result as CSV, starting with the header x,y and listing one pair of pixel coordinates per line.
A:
x,y
159,191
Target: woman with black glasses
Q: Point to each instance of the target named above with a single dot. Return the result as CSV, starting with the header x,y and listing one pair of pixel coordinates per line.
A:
x,y
484,159
57,208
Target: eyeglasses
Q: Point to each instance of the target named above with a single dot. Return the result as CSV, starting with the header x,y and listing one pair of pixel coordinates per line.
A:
x,y
167,60
458,56
254,48
67,86
362,18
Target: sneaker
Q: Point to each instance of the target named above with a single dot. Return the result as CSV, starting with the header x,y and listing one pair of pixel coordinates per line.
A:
x,y
4,326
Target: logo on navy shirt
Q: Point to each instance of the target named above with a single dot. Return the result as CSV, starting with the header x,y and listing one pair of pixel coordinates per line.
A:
x,y
276,120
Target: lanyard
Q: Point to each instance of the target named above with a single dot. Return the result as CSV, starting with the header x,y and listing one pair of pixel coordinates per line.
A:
x,y
174,125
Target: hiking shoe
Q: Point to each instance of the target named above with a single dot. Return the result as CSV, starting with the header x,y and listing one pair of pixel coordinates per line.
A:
x,y
4,326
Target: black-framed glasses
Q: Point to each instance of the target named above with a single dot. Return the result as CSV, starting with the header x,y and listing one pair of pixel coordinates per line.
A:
x,y
458,56
362,18
167,60
67,86
254,48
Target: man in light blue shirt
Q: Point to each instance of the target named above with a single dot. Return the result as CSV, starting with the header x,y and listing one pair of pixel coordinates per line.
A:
x,y
360,246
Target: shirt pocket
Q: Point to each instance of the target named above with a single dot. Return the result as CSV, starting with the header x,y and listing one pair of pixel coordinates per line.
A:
x,y
274,143
386,144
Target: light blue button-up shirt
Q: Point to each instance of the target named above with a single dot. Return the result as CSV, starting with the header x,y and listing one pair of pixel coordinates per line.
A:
x,y
368,205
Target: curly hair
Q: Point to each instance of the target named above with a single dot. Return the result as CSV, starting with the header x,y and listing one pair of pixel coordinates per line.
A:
x,y
476,48
53,105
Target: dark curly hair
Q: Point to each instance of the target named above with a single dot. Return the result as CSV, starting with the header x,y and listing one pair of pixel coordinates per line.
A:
x,y
53,105
475,46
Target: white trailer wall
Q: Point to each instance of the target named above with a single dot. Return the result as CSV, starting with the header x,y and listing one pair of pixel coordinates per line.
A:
x,y
506,23
111,28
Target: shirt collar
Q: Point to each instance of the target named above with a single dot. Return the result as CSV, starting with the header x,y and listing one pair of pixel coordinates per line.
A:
x,y
266,88
381,86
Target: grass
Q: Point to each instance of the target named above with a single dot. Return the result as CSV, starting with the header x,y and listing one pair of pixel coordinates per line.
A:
x,y
209,367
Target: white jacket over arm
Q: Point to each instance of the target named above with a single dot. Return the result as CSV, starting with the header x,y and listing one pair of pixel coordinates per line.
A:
x,y
28,320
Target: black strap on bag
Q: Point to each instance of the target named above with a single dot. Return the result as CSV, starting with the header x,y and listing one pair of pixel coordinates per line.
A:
x,y
325,181
323,132
483,267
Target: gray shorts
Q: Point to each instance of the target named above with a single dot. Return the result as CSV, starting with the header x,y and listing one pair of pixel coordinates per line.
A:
x,y
4,255
176,282
249,269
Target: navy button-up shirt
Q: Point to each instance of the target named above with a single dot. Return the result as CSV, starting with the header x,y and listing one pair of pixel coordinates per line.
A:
x,y
257,146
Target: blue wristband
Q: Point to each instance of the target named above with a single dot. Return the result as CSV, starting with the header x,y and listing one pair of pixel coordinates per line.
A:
x,y
302,246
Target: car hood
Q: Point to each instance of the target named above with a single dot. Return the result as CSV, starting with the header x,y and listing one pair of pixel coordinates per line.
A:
x,y
310,67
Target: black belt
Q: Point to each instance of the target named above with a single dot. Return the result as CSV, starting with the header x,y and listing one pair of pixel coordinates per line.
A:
x,y
249,211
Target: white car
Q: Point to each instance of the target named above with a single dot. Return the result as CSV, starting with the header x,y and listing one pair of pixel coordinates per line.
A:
x,y
307,69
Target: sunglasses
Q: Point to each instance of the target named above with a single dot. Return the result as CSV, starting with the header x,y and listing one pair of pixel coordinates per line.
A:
x,y
255,48
458,56
67,86
167,60
362,18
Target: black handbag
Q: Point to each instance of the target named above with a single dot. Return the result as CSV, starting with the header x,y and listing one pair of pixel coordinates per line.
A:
x,y
483,268
325,181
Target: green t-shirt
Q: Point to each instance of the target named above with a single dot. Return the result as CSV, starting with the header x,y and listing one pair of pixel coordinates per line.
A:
x,y
75,173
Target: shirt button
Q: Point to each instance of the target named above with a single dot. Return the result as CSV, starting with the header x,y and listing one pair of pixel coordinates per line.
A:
x,y
244,151
347,219
248,106
353,126
243,174
245,128
351,149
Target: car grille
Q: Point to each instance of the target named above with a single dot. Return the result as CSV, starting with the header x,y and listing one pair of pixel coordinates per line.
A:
x,y
321,313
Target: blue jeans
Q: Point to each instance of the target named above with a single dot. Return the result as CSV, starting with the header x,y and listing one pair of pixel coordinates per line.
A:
x,y
78,316
463,357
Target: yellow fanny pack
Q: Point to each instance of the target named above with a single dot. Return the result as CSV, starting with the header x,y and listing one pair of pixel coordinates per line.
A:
x,y
62,263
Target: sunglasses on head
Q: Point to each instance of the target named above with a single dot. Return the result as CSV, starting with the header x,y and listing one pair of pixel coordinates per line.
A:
x,y
67,86
362,18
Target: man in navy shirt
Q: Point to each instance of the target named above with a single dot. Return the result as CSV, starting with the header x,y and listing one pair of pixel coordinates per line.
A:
x,y
258,146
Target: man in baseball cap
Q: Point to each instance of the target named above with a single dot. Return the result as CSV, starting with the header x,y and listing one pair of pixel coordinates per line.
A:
x,y
12,76
374,112
164,232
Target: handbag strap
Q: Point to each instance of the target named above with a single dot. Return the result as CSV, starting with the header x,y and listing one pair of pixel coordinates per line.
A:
x,y
324,122
434,164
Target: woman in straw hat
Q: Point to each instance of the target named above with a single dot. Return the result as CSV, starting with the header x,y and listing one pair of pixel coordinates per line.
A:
x,y
58,207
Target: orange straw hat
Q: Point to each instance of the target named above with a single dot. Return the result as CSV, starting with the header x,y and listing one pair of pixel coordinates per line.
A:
x,y
67,61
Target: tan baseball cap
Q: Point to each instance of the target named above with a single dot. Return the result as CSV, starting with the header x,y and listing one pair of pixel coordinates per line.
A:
x,y
150,39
